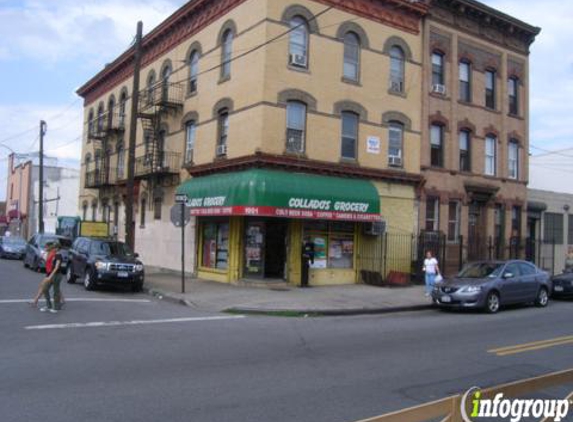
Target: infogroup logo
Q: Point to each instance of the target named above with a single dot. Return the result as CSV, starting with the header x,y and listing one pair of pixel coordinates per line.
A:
x,y
513,410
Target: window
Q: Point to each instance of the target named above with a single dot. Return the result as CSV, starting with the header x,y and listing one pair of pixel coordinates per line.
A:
x,y
90,123
94,211
227,54
395,142
100,119
165,75
465,81
333,243
142,212
454,211
190,130
516,222
490,89
553,228
157,203
147,139
512,89
150,88
465,158
437,142
193,71
351,56
498,217
525,268
84,211
437,69
490,155
296,126
432,214
223,132
298,42
570,234
122,109
215,245
396,69
513,159
110,112
349,135
120,162
115,216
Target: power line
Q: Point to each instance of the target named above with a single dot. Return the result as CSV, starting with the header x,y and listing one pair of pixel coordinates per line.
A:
x,y
554,152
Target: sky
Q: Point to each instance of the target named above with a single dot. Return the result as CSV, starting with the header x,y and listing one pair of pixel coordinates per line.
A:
x,y
48,48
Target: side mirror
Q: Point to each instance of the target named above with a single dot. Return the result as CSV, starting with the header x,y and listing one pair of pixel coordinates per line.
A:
x,y
507,275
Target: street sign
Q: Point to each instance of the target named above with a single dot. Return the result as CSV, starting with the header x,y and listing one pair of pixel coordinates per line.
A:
x,y
180,215
180,198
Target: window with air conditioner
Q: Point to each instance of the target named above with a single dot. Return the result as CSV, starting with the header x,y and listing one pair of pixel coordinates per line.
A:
x,y
437,69
190,132
395,142
296,126
223,132
298,42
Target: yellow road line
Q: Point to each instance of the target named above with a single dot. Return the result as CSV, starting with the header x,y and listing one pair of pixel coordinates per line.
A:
x,y
536,345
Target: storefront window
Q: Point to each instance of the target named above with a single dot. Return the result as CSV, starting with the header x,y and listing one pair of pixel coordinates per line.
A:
x,y
333,243
254,248
215,245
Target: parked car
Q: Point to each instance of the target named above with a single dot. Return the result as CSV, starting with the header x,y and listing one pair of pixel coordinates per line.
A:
x,y
100,261
35,256
492,284
563,284
12,247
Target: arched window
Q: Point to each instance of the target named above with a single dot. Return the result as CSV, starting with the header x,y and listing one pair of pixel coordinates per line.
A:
x,y
190,133
223,119
165,75
84,211
100,118
193,71
351,56
110,111
227,54
97,161
465,149
395,144
349,139
120,161
396,69
298,42
513,159
296,126
90,123
150,87
94,210
122,109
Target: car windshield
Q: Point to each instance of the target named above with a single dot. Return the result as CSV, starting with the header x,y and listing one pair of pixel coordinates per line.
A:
x,y
63,241
110,248
481,270
14,241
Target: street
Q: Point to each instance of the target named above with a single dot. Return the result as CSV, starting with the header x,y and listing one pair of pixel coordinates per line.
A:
x,y
112,355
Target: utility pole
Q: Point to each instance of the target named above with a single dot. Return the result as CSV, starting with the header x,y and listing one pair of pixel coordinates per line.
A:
x,y
129,223
43,129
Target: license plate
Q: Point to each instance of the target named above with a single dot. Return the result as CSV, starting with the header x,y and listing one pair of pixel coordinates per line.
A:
x,y
445,299
122,274
558,288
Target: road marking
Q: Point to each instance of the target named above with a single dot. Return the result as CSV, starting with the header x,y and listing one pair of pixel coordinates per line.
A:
x,y
528,347
123,323
80,299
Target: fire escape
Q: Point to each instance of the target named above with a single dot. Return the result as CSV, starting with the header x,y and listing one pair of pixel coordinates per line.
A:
x,y
106,127
156,163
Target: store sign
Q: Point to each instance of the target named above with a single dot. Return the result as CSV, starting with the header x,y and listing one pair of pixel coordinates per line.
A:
x,y
373,145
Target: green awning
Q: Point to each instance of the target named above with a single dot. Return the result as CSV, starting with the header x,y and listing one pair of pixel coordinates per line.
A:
x,y
272,193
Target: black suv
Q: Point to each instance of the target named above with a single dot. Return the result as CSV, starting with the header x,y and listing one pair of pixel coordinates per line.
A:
x,y
100,261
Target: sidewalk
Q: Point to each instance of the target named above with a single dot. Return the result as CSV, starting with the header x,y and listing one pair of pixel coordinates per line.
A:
x,y
281,299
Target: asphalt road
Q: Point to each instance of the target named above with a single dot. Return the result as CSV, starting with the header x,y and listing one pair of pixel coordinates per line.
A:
x,y
118,356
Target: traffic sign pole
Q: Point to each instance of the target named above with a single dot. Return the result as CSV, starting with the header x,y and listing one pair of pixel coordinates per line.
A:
x,y
182,248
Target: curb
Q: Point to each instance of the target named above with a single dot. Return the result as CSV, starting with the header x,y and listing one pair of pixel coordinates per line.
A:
x,y
327,312
172,298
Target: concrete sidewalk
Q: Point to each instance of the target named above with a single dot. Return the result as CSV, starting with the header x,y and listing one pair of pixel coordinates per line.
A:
x,y
282,299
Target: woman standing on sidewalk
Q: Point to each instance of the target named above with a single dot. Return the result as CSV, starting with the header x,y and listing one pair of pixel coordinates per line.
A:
x,y
431,270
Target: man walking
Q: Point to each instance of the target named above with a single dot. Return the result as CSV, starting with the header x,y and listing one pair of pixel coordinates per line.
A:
x,y
53,280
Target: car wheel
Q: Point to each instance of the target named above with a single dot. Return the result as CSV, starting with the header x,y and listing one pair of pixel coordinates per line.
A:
x,y
89,282
70,277
492,303
542,298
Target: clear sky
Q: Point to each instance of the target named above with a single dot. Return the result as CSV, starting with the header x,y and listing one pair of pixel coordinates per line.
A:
x,y
48,48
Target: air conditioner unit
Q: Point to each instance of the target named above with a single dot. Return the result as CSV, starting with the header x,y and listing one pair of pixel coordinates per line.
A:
x,y
395,161
439,89
298,60
221,150
376,228
396,86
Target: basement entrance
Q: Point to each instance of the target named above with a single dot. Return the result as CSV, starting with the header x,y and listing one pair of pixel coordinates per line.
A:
x,y
265,248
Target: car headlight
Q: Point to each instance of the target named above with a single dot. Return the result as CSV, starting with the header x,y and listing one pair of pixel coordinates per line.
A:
x,y
138,267
470,289
101,266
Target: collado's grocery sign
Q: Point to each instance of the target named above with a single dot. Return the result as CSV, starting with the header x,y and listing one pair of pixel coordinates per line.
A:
x,y
294,208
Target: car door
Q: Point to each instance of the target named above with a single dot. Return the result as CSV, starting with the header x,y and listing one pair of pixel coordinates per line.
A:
x,y
530,281
82,257
30,250
510,287
72,256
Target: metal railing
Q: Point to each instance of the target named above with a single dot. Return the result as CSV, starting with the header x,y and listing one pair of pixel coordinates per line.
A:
x,y
159,162
101,177
168,95
449,408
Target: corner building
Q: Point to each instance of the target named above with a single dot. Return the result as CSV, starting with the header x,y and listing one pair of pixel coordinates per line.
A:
x,y
475,131
281,122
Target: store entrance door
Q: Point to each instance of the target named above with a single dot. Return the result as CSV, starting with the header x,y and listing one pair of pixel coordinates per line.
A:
x,y
265,249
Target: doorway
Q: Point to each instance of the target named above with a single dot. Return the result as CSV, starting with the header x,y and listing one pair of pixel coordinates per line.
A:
x,y
477,241
265,248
